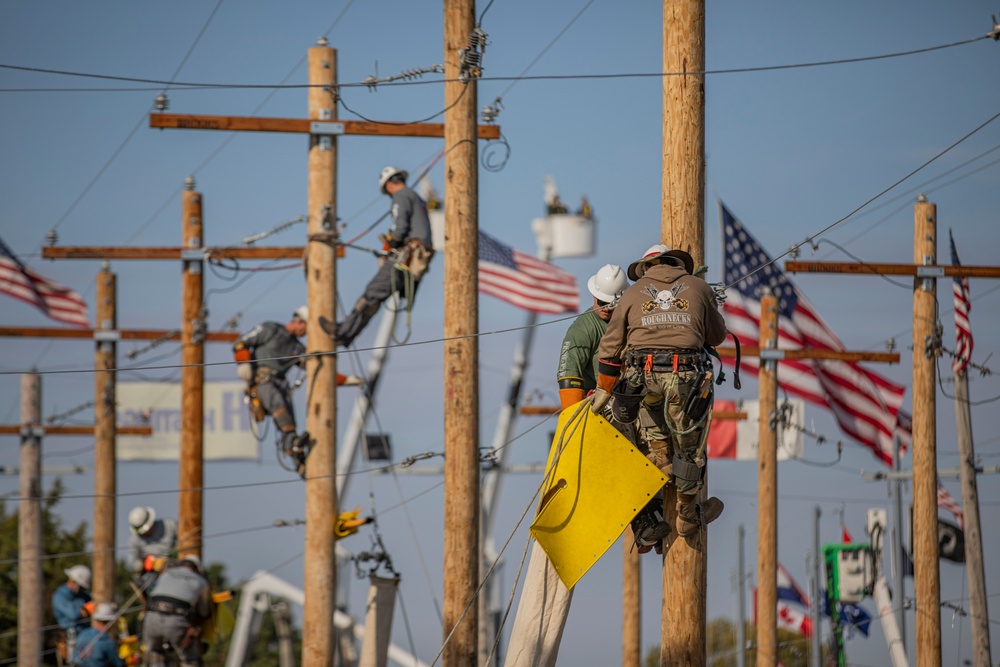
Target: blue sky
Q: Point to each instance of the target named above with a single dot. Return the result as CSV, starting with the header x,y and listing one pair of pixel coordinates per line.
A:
x,y
790,151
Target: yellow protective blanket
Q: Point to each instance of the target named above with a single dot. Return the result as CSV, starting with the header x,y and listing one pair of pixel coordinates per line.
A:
x,y
596,482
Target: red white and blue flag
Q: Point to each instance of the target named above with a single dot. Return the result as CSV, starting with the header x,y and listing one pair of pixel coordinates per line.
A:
x,y
58,302
793,605
963,332
867,406
525,281
945,501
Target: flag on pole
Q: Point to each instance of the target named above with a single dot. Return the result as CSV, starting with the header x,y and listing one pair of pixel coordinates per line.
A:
x,y
865,404
58,302
963,332
523,280
793,605
946,502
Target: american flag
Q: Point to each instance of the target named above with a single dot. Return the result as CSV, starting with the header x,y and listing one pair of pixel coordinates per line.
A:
x,y
58,302
523,280
946,502
865,405
963,332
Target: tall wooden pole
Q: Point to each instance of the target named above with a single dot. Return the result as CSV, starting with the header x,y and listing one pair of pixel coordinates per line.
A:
x,y
105,479
927,575
682,225
979,616
631,596
767,488
321,371
189,522
461,348
29,526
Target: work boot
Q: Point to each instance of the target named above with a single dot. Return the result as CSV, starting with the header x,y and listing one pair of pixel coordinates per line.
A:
x,y
692,515
329,328
649,528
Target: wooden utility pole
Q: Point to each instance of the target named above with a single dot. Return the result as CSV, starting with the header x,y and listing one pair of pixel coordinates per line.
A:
x,y
978,608
461,347
767,487
682,225
321,371
105,477
631,593
926,568
191,463
29,526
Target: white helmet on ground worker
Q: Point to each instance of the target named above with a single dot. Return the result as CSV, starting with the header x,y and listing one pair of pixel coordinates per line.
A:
x,y
652,256
141,519
387,174
302,312
193,561
80,574
608,284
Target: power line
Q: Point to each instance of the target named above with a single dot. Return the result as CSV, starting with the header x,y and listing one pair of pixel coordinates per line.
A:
x,y
539,77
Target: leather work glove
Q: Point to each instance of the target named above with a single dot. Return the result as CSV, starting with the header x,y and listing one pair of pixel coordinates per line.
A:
x,y
245,371
390,242
600,400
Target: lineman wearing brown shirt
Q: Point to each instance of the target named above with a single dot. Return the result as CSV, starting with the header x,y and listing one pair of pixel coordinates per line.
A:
x,y
655,344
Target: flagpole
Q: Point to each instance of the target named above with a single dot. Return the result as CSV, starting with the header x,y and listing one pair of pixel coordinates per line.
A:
x,y
815,592
898,553
979,618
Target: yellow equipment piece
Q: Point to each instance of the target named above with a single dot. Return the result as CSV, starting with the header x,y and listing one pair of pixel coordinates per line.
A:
x,y
220,624
596,481
128,645
347,523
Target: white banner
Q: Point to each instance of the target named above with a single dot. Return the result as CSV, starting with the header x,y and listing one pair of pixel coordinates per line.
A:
x,y
227,433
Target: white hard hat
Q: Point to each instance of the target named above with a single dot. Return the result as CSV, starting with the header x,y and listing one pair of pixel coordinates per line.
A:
x,y
387,173
141,519
105,611
193,560
302,312
608,283
637,268
80,574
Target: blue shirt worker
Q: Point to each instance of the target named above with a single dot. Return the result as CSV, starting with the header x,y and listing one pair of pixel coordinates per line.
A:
x,y
409,249
655,343
72,606
94,646
178,607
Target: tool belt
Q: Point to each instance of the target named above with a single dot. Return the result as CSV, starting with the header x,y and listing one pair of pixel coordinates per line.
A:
x,y
415,257
668,360
168,606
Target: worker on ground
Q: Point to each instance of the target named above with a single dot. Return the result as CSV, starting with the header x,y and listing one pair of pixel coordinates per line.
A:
x,y
655,345
95,647
151,542
72,606
178,607
409,250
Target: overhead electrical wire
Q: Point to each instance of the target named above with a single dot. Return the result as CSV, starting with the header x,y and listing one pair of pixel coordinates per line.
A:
x,y
537,77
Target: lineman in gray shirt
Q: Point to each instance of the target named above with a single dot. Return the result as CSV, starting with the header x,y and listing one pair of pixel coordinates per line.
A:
x,y
177,608
409,249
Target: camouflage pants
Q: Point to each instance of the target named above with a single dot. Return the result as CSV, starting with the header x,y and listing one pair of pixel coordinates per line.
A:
x,y
662,418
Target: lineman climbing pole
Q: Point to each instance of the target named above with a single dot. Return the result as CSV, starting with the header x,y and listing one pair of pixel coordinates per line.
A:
x,y
682,225
927,582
